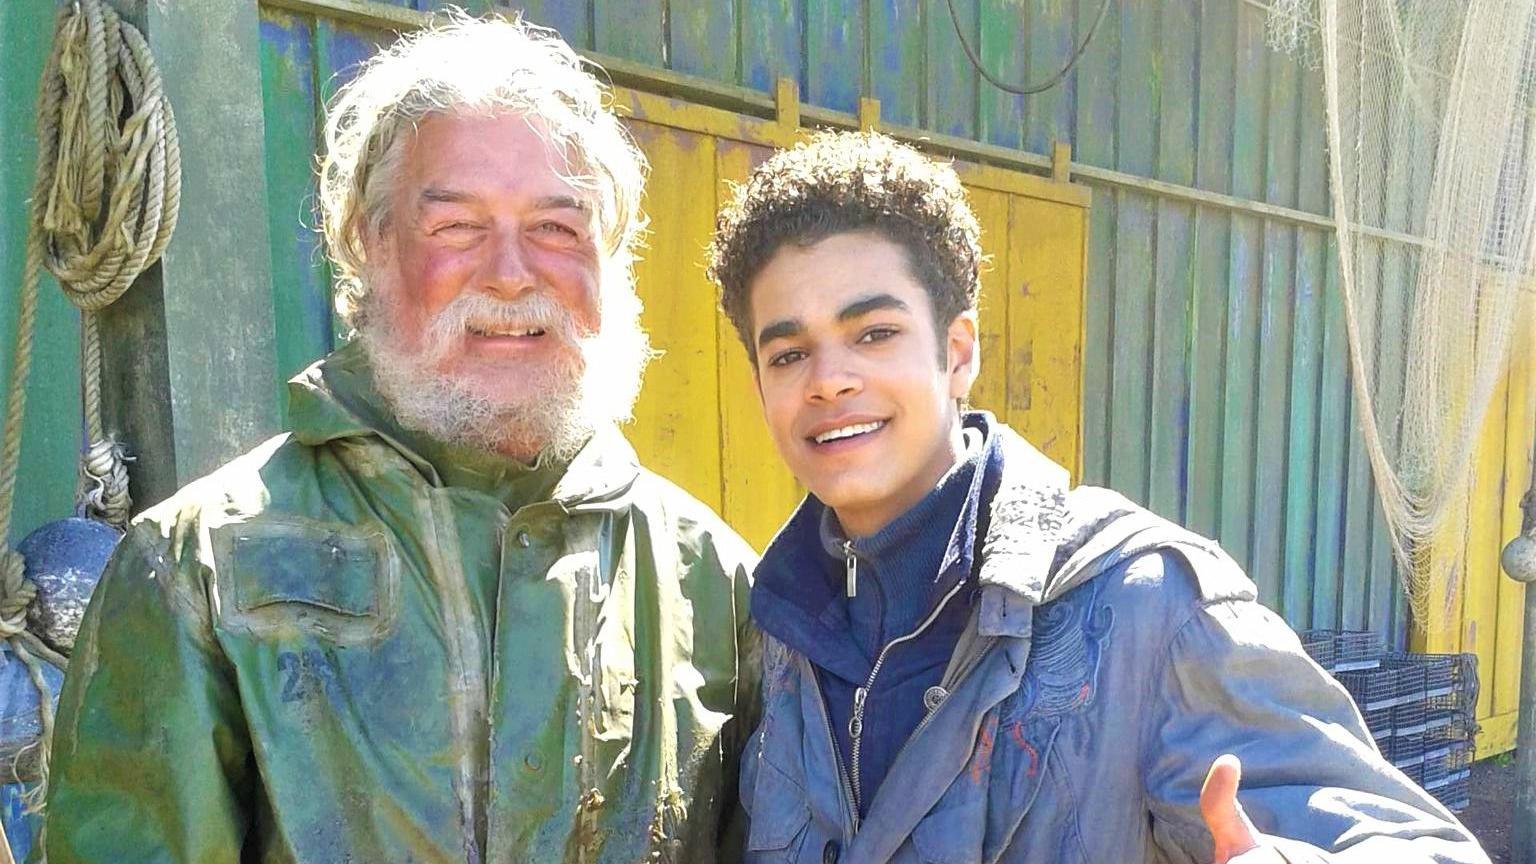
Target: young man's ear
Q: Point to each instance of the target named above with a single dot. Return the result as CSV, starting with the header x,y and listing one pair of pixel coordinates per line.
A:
x,y
963,354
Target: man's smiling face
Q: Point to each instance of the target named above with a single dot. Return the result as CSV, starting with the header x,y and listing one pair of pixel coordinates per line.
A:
x,y
483,211
858,387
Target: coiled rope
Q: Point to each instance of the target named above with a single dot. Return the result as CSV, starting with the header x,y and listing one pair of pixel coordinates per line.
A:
x,y
103,207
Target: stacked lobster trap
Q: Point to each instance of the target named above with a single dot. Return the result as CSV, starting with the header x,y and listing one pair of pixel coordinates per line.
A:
x,y
1418,707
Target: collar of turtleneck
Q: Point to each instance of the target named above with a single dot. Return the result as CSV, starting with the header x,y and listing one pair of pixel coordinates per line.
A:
x,y
899,566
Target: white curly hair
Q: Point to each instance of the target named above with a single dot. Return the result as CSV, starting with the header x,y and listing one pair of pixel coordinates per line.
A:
x,y
471,66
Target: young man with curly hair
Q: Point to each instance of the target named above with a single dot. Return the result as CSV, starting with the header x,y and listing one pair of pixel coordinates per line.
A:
x,y
966,659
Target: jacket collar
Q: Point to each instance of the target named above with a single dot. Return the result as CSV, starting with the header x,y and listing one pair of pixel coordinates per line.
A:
x,y
335,399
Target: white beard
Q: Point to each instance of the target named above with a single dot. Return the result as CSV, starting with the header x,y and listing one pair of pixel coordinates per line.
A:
x,y
562,402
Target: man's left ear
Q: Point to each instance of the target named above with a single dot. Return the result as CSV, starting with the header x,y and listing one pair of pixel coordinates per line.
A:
x,y
964,354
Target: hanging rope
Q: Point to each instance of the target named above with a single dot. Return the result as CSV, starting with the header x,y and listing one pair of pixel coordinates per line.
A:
x,y
103,208
1025,89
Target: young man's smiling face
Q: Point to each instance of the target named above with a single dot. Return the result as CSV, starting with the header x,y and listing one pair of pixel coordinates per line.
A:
x,y
859,387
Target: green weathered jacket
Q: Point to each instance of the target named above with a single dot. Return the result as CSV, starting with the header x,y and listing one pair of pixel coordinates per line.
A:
x,y
284,663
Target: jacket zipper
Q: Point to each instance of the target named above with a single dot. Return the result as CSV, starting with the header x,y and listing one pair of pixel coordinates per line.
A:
x,y
842,775
860,694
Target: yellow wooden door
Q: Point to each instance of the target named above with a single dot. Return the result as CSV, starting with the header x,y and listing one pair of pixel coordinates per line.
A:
x,y
698,420
1486,613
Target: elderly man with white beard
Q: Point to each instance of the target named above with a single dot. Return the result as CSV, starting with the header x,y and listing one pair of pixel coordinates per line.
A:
x,y
445,616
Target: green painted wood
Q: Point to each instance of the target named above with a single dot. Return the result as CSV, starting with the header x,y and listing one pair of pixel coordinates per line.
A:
x,y
571,18
301,294
1275,325
1001,46
1095,143
1302,480
896,58
1174,288
1359,528
220,366
702,39
632,29
1215,92
1136,152
1052,36
1245,302
950,85
834,53
50,433
771,46
1333,435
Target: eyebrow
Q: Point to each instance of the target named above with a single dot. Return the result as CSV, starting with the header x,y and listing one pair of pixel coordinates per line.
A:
x,y
787,327
442,195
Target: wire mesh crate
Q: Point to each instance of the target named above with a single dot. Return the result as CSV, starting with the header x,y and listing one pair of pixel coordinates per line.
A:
x,y
1319,646
1406,749
1447,764
1379,722
1413,771
1443,727
1409,717
1455,793
1343,650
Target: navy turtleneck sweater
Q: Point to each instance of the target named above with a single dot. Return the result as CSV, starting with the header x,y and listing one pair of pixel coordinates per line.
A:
x,y
898,585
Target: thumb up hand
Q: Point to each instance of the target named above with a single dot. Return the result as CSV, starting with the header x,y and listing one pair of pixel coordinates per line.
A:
x,y
1236,840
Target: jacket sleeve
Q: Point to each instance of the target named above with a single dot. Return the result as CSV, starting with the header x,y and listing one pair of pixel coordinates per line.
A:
x,y
1235,680
150,754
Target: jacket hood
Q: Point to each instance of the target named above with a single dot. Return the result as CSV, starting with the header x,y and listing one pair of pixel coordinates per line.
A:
x,y
335,399
1043,539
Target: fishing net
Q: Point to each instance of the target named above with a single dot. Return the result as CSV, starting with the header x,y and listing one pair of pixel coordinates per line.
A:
x,y
1433,185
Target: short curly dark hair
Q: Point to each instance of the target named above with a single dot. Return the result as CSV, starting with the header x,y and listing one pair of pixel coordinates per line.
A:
x,y
837,182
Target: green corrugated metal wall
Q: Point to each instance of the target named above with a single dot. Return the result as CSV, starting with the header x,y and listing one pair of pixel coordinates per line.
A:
x,y
1216,386
1217,381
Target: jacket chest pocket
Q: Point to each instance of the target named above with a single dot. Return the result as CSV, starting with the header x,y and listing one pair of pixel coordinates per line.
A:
x,y
296,579
780,816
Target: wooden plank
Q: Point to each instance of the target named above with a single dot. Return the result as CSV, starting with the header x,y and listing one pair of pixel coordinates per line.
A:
x,y
951,84
1485,541
834,54
770,43
758,492
1135,153
1244,303
1297,601
702,39
1271,448
1213,235
301,293
570,18
1173,288
1045,325
677,417
1053,37
221,367
50,435
1519,429
1095,143
1496,735
631,29
1360,496
1333,434
1003,33
896,59
997,295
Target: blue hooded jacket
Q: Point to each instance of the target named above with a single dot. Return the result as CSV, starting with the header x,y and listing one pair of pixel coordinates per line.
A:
x,y
1108,659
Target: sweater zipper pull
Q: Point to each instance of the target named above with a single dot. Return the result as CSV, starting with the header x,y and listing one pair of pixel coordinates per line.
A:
x,y
856,720
853,569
